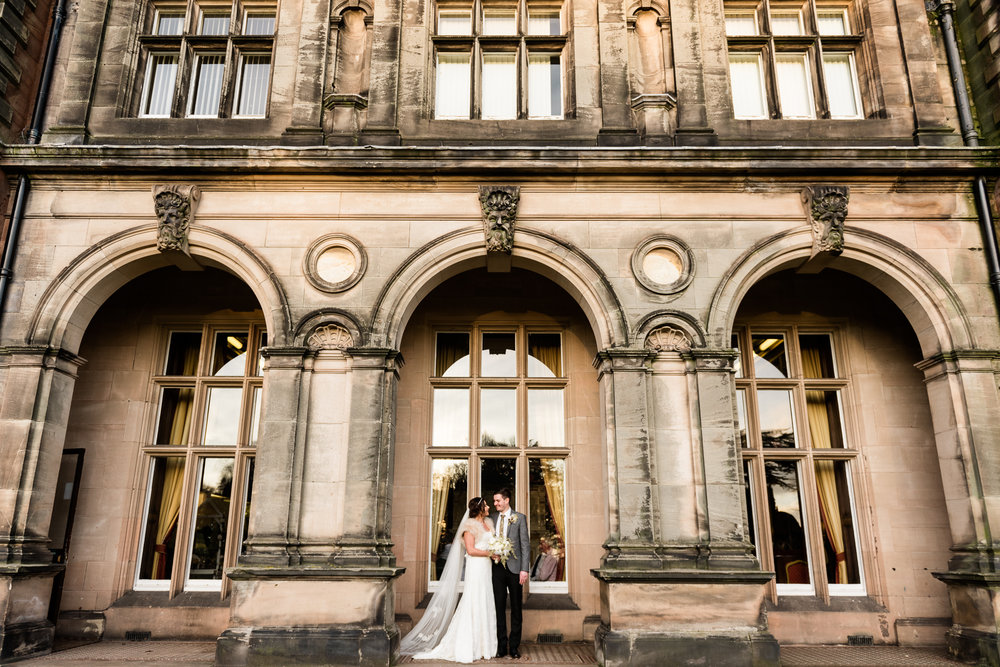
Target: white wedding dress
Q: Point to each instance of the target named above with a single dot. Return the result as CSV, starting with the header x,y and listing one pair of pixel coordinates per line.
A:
x,y
472,631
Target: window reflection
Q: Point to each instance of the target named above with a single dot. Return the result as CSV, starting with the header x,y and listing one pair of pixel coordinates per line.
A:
x,y
499,358
545,418
229,358
544,355
777,426
208,545
769,356
174,427
498,417
162,511
451,417
547,517
182,353
449,495
222,416
788,536
452,358
495,474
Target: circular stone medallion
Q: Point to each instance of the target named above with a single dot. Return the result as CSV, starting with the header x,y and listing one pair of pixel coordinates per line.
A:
x,y
335,263
663,264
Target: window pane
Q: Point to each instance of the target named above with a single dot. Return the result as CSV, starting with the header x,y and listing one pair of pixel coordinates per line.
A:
x,y
248,498
825,427
776,418
747,81
206,85
545,418
451,418
837,518
499,21
543,22
841,86
211,519
495,474
229,355
182,353
255,70
163,506
786,23
499,85
832,22
769,356
174,424
453,85
547,518
259,24
741,416
159,92
544,86
258,392
817,356
748,485
451,22
222,416
794,86
497,417
544,355
452,359
261,344
741,24
169,23
499,358
215,24
788,535
449,500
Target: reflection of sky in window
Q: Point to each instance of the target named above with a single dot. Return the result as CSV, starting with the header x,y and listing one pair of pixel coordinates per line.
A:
x,y
537,369
216,476
545,418
498,416
451,417
786,494
499,359
775,407
233,367
222,420
763,368
741,416
458,369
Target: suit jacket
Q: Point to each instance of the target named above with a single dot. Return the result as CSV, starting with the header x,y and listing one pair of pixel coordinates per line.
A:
x,y
517,533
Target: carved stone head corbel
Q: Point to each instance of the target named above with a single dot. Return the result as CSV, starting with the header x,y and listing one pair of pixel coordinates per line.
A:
x,y
827,209
499,204
175,206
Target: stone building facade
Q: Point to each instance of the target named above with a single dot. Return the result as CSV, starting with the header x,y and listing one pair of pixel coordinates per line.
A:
x,y
702,282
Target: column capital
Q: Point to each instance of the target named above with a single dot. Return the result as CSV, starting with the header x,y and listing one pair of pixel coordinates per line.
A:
x,y
959,361
623,359
44,355
721,359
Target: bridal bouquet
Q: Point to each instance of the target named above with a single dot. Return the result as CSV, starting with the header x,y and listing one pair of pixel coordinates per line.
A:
x,y
501,547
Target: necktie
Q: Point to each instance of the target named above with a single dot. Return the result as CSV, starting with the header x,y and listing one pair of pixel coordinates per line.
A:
x,y
503,525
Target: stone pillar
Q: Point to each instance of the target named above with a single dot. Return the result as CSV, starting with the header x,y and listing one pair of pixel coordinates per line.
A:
x,y
305,124
383,128
677,533
691,73
343,566
37,389
617,128
965,402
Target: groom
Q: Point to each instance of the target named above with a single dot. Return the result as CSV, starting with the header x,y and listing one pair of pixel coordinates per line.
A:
x,y
511,577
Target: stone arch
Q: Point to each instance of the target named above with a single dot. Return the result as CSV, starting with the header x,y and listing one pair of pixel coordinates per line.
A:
x,y
464,249
931,306
323,317
674,319
72,298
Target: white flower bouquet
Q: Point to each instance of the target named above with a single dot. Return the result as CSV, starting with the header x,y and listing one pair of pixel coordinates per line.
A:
x,y
500,547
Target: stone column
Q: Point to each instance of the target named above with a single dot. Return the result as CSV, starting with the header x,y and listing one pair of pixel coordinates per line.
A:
x,y
617,128
677,534
347,577
37,389
383,128
693,125
965,402
306,87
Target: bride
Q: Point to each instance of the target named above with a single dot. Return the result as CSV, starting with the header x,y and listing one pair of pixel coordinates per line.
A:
x,y
468,632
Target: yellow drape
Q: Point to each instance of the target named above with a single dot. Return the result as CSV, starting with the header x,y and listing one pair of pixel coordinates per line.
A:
x,y
826,476
439,507
448,353
555,490
170,508
550,355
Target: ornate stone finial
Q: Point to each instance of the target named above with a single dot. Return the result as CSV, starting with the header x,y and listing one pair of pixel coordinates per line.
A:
x,y
330,337
175,206
499,204
668,339
827,207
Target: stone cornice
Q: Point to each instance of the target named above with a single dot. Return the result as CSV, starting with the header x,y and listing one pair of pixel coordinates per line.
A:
x,y
687,162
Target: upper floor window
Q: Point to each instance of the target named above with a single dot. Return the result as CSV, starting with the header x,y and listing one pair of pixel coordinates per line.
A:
x,y
799,461
207,60
499,60
793,59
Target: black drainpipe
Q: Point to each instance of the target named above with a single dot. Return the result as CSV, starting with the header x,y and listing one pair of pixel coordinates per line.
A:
x,y
944,10
21,196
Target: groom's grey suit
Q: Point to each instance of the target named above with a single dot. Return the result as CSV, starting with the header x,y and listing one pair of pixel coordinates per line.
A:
x,y
508,579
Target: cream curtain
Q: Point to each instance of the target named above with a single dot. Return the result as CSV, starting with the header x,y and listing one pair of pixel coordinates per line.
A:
x,y
553,473
549,355
439,507
826,476
449,351
170,507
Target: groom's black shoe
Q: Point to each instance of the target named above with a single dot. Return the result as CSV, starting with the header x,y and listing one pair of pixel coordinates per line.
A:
x,y
502,653
514,654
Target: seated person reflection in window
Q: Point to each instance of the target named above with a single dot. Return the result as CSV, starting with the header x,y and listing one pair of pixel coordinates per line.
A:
x,y
546,565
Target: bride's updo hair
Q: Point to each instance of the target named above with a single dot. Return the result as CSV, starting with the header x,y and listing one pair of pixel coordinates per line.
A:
x,y
477,506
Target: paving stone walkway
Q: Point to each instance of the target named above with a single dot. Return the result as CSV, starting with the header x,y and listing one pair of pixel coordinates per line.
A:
x,y
202,654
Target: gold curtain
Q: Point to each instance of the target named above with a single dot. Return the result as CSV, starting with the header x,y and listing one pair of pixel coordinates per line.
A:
x,y
555,490
550,355
826,476
439,507
170,508
448,352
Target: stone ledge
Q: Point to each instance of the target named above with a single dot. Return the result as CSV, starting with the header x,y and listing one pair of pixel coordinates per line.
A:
x,y
313,573
613,576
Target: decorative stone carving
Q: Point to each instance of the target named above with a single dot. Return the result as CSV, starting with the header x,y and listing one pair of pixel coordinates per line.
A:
x,y
827,207
330,337
499,204
668,339
175,206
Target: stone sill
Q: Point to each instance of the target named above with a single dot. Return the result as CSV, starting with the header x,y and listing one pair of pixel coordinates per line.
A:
x,y
313,573
613,576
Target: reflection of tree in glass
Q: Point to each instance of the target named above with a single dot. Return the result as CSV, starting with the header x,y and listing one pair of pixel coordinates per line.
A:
x,y
778,438
781,474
